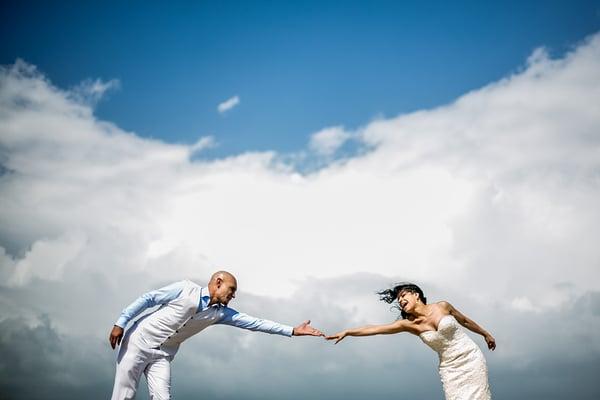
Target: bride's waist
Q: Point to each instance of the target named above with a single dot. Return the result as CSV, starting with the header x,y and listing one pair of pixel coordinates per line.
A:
x,y
454,354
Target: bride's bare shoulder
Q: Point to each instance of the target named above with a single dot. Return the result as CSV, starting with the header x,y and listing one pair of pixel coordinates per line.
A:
x,y
444,305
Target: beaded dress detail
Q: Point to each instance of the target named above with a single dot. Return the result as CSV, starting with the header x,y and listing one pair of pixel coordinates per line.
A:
x,y
463,369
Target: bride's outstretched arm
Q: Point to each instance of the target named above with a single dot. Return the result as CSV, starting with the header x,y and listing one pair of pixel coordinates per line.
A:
x,y
469,324
370,330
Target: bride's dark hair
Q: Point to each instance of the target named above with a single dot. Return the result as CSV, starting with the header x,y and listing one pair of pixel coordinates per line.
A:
x,y
391,295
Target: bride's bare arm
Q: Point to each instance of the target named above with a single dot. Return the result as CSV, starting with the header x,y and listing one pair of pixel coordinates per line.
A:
x,y
469,324
370,330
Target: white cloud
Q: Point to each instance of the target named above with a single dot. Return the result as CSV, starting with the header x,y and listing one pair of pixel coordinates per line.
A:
x,y
524,304
47,259
228,104
327,141
91,91
490,201
440,193
203,143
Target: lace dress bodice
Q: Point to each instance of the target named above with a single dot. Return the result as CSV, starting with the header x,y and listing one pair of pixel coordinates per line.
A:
x,y
463,369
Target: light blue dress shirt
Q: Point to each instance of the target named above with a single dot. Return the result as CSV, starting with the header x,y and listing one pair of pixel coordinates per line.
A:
x,y
230,316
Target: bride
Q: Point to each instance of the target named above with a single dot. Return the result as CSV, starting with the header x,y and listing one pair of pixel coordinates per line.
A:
x,y
462,365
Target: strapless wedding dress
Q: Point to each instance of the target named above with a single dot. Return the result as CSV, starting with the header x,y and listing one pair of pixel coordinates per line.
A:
x,y
462,365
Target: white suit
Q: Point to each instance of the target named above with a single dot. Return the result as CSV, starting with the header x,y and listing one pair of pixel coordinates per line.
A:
x,y
153,340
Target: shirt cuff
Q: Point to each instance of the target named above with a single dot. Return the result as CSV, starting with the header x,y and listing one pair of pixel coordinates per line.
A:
x,y
121,322
288,330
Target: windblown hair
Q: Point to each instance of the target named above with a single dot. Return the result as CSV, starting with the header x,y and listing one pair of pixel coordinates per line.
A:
x,y
391,295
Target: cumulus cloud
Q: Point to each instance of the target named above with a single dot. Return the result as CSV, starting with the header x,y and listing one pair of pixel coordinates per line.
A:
x,y
46,259
328,140
489,202
40,363
228,104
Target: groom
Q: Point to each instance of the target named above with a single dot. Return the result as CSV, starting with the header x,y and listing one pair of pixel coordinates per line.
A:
x,y
186,308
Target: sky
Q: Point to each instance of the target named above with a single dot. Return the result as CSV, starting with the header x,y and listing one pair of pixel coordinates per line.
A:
x,y
321,153
296,66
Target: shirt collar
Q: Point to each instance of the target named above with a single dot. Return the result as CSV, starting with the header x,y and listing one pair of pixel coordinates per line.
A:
x,y
204,299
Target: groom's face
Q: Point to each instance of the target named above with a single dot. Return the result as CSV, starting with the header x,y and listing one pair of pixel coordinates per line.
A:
x,y
226,288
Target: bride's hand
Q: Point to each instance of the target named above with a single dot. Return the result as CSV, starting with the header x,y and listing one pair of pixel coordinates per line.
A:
x,y
337,337
491,342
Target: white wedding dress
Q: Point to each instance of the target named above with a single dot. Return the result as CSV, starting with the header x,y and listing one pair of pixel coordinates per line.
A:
x,y
462,365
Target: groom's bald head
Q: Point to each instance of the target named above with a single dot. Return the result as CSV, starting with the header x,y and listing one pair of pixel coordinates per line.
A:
x,y
222,287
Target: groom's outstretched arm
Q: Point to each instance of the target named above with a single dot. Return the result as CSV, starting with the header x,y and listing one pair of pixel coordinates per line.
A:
x,y
240,320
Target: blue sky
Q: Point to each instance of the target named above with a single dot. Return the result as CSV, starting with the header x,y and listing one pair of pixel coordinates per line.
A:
x,y
297,67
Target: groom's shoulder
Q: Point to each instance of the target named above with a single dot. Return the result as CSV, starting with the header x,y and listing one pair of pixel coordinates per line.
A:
x,y
188,283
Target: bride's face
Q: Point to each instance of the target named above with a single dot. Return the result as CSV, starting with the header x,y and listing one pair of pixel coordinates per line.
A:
x,y
407,301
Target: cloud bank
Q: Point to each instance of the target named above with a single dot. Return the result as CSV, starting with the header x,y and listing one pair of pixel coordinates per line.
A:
x,y
490,202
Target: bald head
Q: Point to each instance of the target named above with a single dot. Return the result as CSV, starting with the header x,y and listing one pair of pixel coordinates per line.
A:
x,y
222,287
222,275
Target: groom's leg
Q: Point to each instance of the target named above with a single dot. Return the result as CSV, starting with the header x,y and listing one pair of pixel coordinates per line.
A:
x,y
158,375
131,362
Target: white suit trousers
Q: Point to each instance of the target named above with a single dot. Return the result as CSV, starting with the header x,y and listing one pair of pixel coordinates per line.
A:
x,y
133,360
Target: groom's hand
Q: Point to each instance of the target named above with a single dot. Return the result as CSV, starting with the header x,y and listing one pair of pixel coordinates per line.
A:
x,y
305,329
115,336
